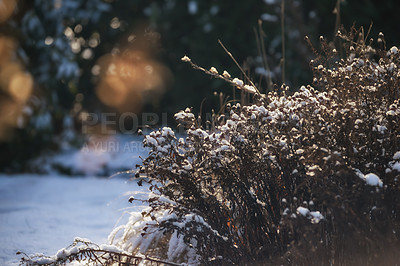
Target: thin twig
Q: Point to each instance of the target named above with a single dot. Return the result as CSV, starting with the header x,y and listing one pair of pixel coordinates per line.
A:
x,y
261,50
229,80
337,26
237,64
369,31
337,22
259,53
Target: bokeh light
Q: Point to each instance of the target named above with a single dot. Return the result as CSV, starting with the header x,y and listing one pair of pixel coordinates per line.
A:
x,y
20,86
127,78
16,87
6,9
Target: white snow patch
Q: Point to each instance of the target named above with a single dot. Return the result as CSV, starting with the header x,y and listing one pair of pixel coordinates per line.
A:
x,y
373,180
214,70
238,82
42,213
226,74
186,59
250,89
184,115
303,211
396,166
315,216
394,50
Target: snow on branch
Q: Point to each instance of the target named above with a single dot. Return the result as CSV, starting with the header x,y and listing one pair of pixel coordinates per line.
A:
x,y
82,250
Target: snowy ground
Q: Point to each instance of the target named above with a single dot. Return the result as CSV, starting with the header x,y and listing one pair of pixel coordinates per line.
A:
x,y
44,213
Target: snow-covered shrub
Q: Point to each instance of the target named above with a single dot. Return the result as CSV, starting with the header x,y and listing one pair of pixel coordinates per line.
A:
x,y
283,177
305,178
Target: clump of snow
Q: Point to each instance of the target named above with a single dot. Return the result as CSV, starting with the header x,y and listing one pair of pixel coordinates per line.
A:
x,y
45,260
176,246
129,237
373,180
303,211
226,74
238,82
396,166
74,249
62,253
249,89
167,132
315,216
184,114
214,70
185,59
111,248
394,50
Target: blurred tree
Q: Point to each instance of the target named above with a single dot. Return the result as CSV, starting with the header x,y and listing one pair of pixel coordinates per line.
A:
x,y
54,45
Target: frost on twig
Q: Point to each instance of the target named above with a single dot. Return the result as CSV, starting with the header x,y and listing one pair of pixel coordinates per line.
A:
x,y
84,251
238,83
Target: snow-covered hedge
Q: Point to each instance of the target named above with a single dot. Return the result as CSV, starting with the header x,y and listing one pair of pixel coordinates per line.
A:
x,y
310,177
291,176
